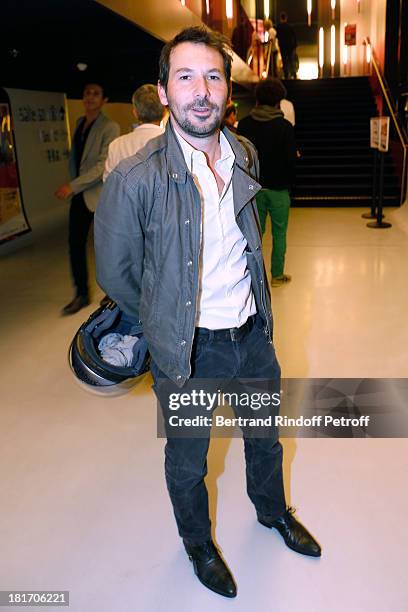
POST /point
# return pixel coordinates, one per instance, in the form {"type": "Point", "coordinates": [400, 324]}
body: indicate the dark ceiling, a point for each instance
{"type": "Point", "coordinates": [43, 40]}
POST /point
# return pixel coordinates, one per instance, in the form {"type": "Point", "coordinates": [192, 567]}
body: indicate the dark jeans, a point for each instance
{"type": "Point", "coordinates": [289, 63]}
{"type": "Point", "coordinates": [80, 219]}
{"type": "Point", "coordinates": [250, 356]}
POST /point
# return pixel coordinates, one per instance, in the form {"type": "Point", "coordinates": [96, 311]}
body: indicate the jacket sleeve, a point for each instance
{"type": "Point", "coordinates": [92, 176]}
{"type": "Point", "coordinates": [290, 152]}
{"type": "Point", "coordinates": [250, 150]}
{"type": "Point", "coordinates": [119, 242]}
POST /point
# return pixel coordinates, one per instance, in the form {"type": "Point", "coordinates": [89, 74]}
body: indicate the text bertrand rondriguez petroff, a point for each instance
{"type": "Point", "coordinates": [254, 401]}
{"type": "Point", "coordinates": [271, 421]}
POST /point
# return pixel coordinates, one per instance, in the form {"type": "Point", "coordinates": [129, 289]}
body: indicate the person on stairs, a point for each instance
{"type": "Point", "coordinates": [274, 139]}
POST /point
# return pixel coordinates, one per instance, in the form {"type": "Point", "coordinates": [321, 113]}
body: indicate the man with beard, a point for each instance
{"type": "Point", "coordinates": [178, 247]}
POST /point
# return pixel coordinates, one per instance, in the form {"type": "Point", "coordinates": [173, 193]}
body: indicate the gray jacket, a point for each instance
{"type": "Point", "coordinates": [89, 181]}
{"type": "Point", "coordinates": [147, 243]}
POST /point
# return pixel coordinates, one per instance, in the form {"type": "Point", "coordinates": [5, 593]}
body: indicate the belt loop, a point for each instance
{"type": "Point", "coordinates": [232, 332]}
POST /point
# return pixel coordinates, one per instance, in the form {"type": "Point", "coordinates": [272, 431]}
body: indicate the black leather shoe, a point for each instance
{"type": "Point", "coordinates": [295, 535]}
{"type": "Point", "coordinates": [77, 303]}
{"type": "Point", "coordinates": [210, 568]}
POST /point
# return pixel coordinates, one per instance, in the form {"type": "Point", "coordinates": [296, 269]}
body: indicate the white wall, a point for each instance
{"type": "Point", "coordinates": [249, 7]}
{"type": "Point", "coordinates": [370, 22]}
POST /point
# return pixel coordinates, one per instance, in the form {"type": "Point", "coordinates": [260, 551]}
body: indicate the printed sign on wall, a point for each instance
{"type": "Point", "coordinates": [350, 34]}
{"type": "Point", "coordinates": [40, 131]}
{"type": "Point", "coordinates": [13, 220]}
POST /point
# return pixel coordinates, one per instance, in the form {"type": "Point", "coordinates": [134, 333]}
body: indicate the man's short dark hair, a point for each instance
{"type": "Point", "coordinates": [147, 104]}
{"type": "Point", "coordinates": [270, 92]}
{"type": "Point", "coordinates": [196, 35]}
{"type": "Point", "coordinates": [98, 83]}
{"type": "Point", "coordinates": [231, 108]}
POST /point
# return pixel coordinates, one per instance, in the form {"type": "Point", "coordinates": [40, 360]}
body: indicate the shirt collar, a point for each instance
{"type": "Point", "coordinates": [191, 154]}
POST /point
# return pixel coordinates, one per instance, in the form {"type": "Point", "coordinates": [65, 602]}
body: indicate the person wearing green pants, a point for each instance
{"type": "Point", "coordinates": [274, 138]}
{"type": "Point", "coordinates": [276, 203]}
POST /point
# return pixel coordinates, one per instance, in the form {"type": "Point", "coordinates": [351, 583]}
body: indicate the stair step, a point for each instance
{"type": "Point", "coordinates": [311, 130]}
{"type": "Point", "coordinates": [339, 201]}
{"type": "Point", "coordinates": [302, 166]}
{"type": "Point", "coordinates": [348, 182]}
{"type": "Point", "coordinates": [332, 190]}
{"type": "Point", "coordinates": [334, 138]}
{"type": "Point", "coordinates": [333, 135]}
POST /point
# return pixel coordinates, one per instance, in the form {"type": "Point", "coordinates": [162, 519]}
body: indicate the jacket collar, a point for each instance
{"type": "Point", "coordinates": [176, 165]}
{"type": "Point", "coordinates": [243, 185]}
{"type": "Point", "coordinates": [92, 135]}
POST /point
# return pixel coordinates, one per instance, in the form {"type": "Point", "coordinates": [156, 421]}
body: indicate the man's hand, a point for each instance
{"type": "Point", "coordinates": [64, 192]}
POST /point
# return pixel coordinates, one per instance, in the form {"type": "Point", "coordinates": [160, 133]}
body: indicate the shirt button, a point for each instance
{"type": "Point", "coordinates": [187, 221]}
{"type": "Point", "coordinates": [174, 175]}
{"type": "Point", "coordinates": [190, 263]}
{"type": "Point", "coordinates": [188, 303]}
{"type": "Point", "coordinates": [178, 377]}
{"type": "Point", "coordinates": [183, 343]}
{"type": "Point", "coordinates": [250, 187]}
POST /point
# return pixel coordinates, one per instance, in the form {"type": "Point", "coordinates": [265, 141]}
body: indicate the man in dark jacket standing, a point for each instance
{"type": "Point", "coordinates": [178, 247]}
{"type": "Point", "coordinates": [287, 44]}
{"type": "Point", "coordinates": [274, 139]}
{"type": "Point", "coordinates": [93, 134]}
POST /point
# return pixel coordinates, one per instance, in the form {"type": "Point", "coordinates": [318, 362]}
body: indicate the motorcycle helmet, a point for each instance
{"type": "Point", "coordinates": [85, 359]}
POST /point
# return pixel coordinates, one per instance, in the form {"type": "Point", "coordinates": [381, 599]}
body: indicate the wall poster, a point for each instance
{"type": "Point", "coordinates": [13, 221]}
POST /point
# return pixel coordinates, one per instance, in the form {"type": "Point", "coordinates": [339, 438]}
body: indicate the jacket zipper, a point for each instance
{"type": "Point", "coordinates": [265, 311]}
{"type": "Point", "coordinates": [198, 283]}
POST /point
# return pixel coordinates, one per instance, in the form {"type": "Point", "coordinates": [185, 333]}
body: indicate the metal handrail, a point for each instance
{"type": "Point", "coordinates": [385, 89]}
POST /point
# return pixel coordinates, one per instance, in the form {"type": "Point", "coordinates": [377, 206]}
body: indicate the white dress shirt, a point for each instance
{"type": "Point", "coordinates": [129, 144]}
{"type": "Point", "coordinates": [288, 110]}
{"type": "Point", "coordinates": [225, 297]}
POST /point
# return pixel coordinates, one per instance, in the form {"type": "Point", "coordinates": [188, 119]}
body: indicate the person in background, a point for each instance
{"type": "Point", "coordinates": [148, 112]}
{"type": "Point", "coordinates": [287, 44]}
{"type": "Point", "coordinates": [230, 117]}
{"type": "Point", "coordinates": [241, 35]}
{"type": "Point", "coordinates": [93, 134]}
{"type": "Point", "coordinates": [274, 139]}
{"type": "Point", "coordinates": [272, 48]}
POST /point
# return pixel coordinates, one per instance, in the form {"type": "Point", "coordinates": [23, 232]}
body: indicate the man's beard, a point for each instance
{"type": "Point", "coordinates": [209, 125]}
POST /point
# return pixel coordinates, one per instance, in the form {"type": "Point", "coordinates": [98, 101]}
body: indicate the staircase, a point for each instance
{"type": "Point", "coordinates": [333, 136]}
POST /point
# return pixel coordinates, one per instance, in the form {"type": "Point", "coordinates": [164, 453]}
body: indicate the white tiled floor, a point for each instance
{"type": "Point", "coordinates": [84, 505]}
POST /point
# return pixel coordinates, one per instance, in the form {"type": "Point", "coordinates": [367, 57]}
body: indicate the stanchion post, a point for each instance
{"type": "Point", "coordinates": [381, 189]}
{"type": "Point", "coordinates": [379, 223]}
{"type": "Point", "coordinates": [374, 197]}
{"type": "Point", "coordinates": [380, 138]}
